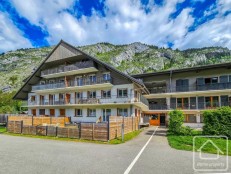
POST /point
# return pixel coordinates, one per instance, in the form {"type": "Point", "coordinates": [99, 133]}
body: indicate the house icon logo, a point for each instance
{"type": "Point", "coordinates": [210, 162]}
{"type": "Point", "coordinates": [211, 143]}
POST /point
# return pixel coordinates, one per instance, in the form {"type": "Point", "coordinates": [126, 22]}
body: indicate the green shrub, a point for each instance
{"type": "Point", "coordinates": [186, 130]}
{"type": "Point", "coordinates": [217, 122]}
{"type": "Point", "coordinates": [175, 122]}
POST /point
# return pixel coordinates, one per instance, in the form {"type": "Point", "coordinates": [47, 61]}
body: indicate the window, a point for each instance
{"type": "Point", "coordinates": [42, 82]}
{"type": "Point", "coordinates": [182, 85]}
{"type": "Point", "coordinates": [106, 94]}
{"type": "Point", "coordinates": [92, 78]}
{"type": "Point", "coordinates": [91, 94]}
{"type": "Point", "coordinates": [182, 103]}
{"type": "Point", "coordinates": [91, 113]}
{"type": "Point", "coordinates": [41, 111]}
{"type": "Point", "coordinates": [78, 113]}
{"type": "Point", "coordinates": [123, 112]}
{"type": "Point", "coordinates": [212, 101]}
{"type": "Point", "coordinates": [192, 119]}
{"type": "Point", "coordinates": [106, 76]}
{"type": "Point", "coordinates": [79, 81]}
{"type": "Point", "coordinates": [32, 99]}
{"type": "Point", "coordinates": [106, 113]}
{"type": "Point", "coordinates": [154, 117]}
{"type": "Point", "coordinates": [211, 80]}
{"type": "Point", "coordinates": [122, 92]}
{"type": "Point", "coordinates": [51, 81]}
{"type": "Point", "coordinates": [79, 95]}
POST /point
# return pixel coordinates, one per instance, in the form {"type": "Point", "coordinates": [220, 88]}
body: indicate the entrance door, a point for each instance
{"type": "Point", "coordinates": [162, 119]}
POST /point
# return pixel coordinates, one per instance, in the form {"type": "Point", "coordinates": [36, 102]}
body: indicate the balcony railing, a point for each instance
{"type": "Point", "coordinates": [66, 68]}
{"type": "Point", "coordinates": [214, 86]}
{"type": "Point", "coordinates": [82, 82]}
{"type": "Point", "coordinates": [86, 100]}
{"type": "Point", "coordinates": [187, 106]}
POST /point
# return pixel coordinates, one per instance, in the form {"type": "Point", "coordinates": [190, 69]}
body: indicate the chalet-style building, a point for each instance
{"type": "Point", "coordinates": [72, 83]}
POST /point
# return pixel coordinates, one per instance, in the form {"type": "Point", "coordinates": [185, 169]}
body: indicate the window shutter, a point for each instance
{"type": "Point", "coordinates": [201, 102]}
{"type": "Point", "coordinates": [224, 79]}
{"type": "Point", "coordinates": [224, 100]}
{"type": "Point", "coordinates": [200, 81]}
{"type": "Point", "coordinates": [173, 103]}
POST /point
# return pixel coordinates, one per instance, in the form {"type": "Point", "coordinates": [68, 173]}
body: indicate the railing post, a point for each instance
{"type": "Point", "coordinates": [93, 129]}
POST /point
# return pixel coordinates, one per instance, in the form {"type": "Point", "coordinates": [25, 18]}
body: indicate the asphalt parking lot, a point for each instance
{"type": "Point", "coordinates": [147, 153]}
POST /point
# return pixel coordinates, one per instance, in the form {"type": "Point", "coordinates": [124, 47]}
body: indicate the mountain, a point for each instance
{"type": "Point", "coordinates": [131, 58]}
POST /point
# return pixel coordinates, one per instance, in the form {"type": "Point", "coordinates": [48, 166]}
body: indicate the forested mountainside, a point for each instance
{"type": "Point", "coordinates": [131, 58]}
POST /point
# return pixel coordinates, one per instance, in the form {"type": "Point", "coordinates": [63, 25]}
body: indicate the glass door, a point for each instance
{"type": "Point", "coordinates": [106, 113]}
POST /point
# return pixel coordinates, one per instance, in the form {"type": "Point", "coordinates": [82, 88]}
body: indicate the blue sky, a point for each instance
{"type": "Point", "coordinates": [166, 23]}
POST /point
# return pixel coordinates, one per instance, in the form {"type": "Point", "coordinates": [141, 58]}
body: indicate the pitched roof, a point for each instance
{"type": "Point", "coordinates": [196, 68]}
{"type": "Point", "coordinates": [23, 91]}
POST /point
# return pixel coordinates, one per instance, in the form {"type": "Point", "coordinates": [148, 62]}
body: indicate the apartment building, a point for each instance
{"type": "Point", "coordinates": [72, 83]}
{"type": "Point", "coordinates": [191, 90]}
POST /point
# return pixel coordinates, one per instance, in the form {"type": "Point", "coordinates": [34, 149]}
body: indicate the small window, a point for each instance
{"type": "Point", "coordinates": [123, 112]}
{"type": "Point", "coordinates": [91, 112]}
{"type": "Point", "coordinates": [91, 94]}
{"type": "Point", "coordinates": [122, 92]}
{"type": "Point", "coordinates": [106, 94]}
{"type": "Point", "coordinates": [78, 112]}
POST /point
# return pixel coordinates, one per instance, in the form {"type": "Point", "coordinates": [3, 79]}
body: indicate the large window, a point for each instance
{"type": "Point", "coordinates": [182, 85]}
{"type": "Point", "coordinates": [122, 92]}
{"type": "Point", "coordinates": [106, 76]}
{"type": "Point", "coordinates": [78, 95]}
{"type": "Point", "coordinates": [123, 112]}
{"type": "Point", "coordinates": [182, 103]}
{"type": "Point", "coordinates": [41, 111]}
{"type": "Point", "coordinates": [106, 113]}
{"type": "Point", "coordinates": [212, 101]}
{"type": "Point", "coordinates": [79, 81]}
{"type": "Point", "coordinates": [91, 112]}
{"type": "Point", "coordinates": [78, 112]}
{"type": "Point", "coordinates": [91, 94]}
{"type": "Point", "coordinates": [106, 94]}
{"type": "Point", "coordinates": [92, 78]}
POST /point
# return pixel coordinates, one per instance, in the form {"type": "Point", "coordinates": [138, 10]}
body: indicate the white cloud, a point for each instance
{"type": "Point", "coordinates": [216, 32]}
{"type": "Point", "coordinates": [11, 37]}
{"type": "Point", "coordinates": [126, 21]}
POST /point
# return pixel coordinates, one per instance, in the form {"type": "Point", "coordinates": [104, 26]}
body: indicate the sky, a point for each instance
{"type": "Point", "coordinates": [178, 24]}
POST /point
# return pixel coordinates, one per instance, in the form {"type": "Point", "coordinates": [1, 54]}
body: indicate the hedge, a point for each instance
{"type": "Point", "coordinates": [217, 122]}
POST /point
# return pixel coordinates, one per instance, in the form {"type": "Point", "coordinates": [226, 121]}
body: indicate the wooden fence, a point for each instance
{"type": "Point", "coordinates": [103, 131]}
{"type": "Point", "coordinates": [88, 131]}
{"type": "Point", "coordinates": [115, 125]}
{"type": "Point", "coordinates": [35, 121]}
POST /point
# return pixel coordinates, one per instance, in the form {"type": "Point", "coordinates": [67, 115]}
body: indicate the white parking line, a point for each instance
{"type": "Point", "coordinates": [138, 155]}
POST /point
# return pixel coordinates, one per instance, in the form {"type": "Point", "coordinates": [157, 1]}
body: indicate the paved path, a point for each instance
{"type": "Point", "coordinates": [20, 155]}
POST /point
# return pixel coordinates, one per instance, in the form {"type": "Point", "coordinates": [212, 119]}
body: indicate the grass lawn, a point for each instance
{"type": "Point", "coordinates": [186, 143]}
{"type": "Point", "coordinates": [2, 129]}
{"type": "Point", "coordinates": [127, 137]}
